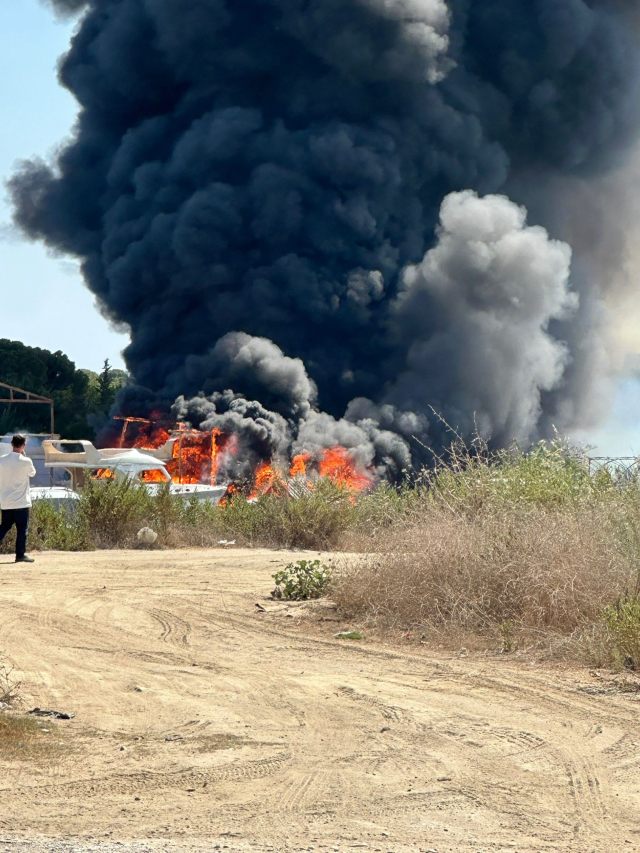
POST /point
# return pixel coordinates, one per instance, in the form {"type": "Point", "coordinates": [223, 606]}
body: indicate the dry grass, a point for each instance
{"type": "Point", "coordinates": [534, 570]}
{"type": "Point", "coordinates": [27, 739]}
{"type": "Point", "coordinates": [508, 550]}
{"type": "Point", "coordinates": [9, 685]}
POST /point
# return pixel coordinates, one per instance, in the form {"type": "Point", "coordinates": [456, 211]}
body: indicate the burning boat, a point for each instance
{"type": "Point", "coordinates": [211, 465]}
{"type": "Point", "coordinates": [81, 459]}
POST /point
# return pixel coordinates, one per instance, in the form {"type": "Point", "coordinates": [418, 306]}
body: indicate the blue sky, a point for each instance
{"type": "Point", "coordinates": [620, 434]}
{"type": "Point", "coordinates": [43, 301]}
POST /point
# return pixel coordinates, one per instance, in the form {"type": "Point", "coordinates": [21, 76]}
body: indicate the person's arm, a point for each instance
{"type": "Point", "coordinates": [32, 471]}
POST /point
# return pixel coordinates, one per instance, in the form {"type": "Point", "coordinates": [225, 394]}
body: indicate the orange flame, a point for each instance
{"type": "Point", "coordinates": [197, 457]}
{"type": "Point", "coordinates": [231, 491]}
{"type": "Point", "coordinates": [195, 453]}
{"type": "Point", "coordinates": [338, 465]}
{"type": "Point", "coordinates": [153, 477]}
{"type": "Point", "coordinates": [268, 481]}
{"type": "Point", "coordinates": [299, 465]}
{"type": "Point", "coordinates": [104, 474]}
{"type": "Point", "coordinates": [263, 481]}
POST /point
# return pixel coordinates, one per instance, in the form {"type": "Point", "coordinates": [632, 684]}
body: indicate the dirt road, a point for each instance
{"type": "Point", "coordinates": [200, 719]}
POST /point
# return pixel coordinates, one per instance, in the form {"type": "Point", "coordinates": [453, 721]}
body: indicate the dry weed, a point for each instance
{"type": "Point", "coordinates": [499, 573]}
{"type": "Point", "coordinates": [9, 685]}
{"type": "Point", "coordinates": [26, 739]}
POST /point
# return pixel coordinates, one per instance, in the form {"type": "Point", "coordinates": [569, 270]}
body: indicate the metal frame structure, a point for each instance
{"type": "Point", "coordinates": [624, 466]}
{"type": "Point", "coordinates": [29, 398]}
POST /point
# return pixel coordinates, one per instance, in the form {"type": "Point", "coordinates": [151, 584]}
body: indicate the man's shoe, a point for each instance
{"type": "Point", "coordinates": [25, 559]}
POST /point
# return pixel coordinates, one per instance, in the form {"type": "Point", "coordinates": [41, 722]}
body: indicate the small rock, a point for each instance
{"type": "Point", "coordinates": [385, 729]}
{"type": "Point", "coordinates": [147, 536]}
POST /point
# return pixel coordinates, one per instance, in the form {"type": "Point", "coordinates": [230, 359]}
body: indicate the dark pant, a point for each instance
{"type": "Point", "coordinates": [19, 517]}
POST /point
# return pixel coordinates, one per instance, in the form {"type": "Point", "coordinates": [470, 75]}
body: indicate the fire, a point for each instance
{"type": "Point", "coordinates": [338, 465]}
{"type": "Point", "coordinates": [198, 456]}
{"type": "Point", "coordinates": [264, 478]}
{"type": "Point", "coordinates": [231, 491]}
{"type": "Point", "coordinates": [153, 439]}
{"type": "Point", "coordinates": [104, 474]}
{"type": "Point", "coordinates": [299, 465]}
{"type": "Point", "coordinates": [268, 481]}
{"type": "Point", "coordinates": [153, 477]}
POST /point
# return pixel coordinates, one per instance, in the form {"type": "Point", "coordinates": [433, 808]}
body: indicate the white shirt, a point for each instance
{"type": "Point", "coordinates": [15, 471]}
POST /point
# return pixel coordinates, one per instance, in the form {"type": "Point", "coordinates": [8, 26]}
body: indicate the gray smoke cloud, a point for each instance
{"type": "Point", "coordinates": [494, 285]}
{"type": "Point", "coordinates": [258, 433]}
{"type": "Point", "coordinates": [255, 364]}
{"type": "Point", "coordinates": [255, 190]}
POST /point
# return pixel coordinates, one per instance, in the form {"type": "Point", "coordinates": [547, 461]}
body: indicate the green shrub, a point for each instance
{"type": "Point", "coordinates": [622, 633]}
{"type": "Point", "coordinates": [313, 521]}
{"type": "Point", "coordinates": [302, 580]}
{"type": "Point", "coordinates": [52, 529]}
{"type": "Point", "coordinates": [551, 475]}
{"type": "Point", "coordinates": [114, 510]}
{"type": "Point", "coordinates": [507, 636]}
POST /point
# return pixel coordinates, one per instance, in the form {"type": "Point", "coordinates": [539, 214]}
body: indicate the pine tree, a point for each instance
{"type": "Point", "coordinates": [105, 386]}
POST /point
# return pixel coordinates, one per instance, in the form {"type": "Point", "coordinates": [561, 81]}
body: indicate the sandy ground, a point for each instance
{"type": "Point", "coordinates": [202, 723]}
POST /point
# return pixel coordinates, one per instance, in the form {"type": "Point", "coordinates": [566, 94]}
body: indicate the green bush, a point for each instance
{"type": "Point", "coordinates": [54, 529]}
{"type": "Point", "coordinates": [302, 580]}
{"type": "Point", "coordinates": [114, 510]}
{"type": "Point", "coordinates": [313, 521]}
{"type": "Point", "coordinates": [622, 633]}
{"type": "Point", "coordinates": [551, 475]}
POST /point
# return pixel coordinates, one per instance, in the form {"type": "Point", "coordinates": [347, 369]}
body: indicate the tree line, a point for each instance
{"type": "Point", "coordinates": [82, 398]}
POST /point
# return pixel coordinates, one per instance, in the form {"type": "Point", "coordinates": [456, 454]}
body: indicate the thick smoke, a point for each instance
{"type": "Point", "coordinates": [254, 188]}
{"type": "Point", "coordinates": [257, 366]}
{"type": "Point", "coordinates": [492, 286]}
{"type": "Point", "coordinates": [258, 434]}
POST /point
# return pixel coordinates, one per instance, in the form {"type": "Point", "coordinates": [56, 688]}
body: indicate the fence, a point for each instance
{"type": "Point", "coordinates": [619, 467]}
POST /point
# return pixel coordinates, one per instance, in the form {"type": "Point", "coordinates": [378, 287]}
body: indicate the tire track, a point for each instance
{"type": "Point", "coordinates": [388, 712]}
{"type": "Point", "coordinates": [174, 629]}
{"type": "Point", "coordinates": [146, 780]}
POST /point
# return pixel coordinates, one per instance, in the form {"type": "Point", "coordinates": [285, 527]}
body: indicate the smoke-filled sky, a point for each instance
{"type": "Point", "coordinates": [354, 211]}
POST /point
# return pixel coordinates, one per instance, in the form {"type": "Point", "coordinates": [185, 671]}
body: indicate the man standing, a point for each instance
{"type": "Point", "coordinates": [15, 495]}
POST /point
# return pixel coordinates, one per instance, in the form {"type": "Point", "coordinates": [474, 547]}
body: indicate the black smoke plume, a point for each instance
{"type": "Point", "coordinates": [305, 202]}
